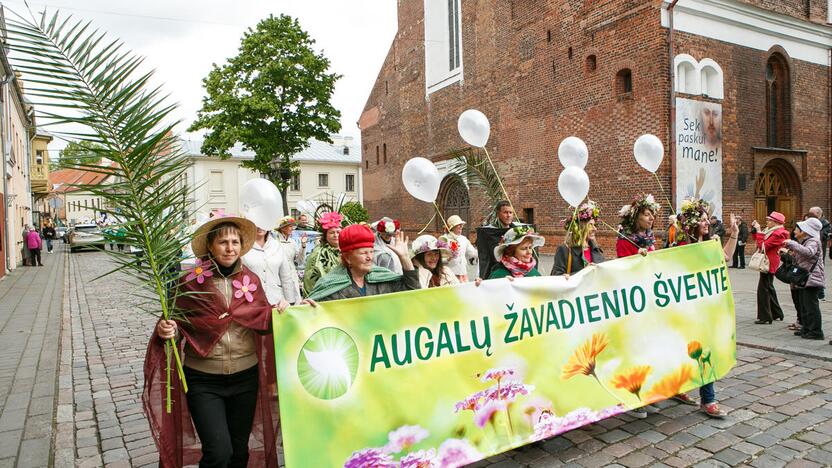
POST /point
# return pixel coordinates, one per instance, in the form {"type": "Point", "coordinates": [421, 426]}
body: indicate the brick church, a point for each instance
{"type": "Point", "coordinates": [739, 92]}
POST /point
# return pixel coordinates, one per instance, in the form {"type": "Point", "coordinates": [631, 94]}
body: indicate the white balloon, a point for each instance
{"type": "Point", "coordinates": [474, 128]}
{"type": "Point", "coordinates": [572, 151]}
{"type": "Point", "coordinates": [573, 185]}
{"type": "Point", "coordinates": [649, 152]}
{"type": "Point", "coordinates": [421, 179]}
{"type": "Point", "coordinates": [261, 203]}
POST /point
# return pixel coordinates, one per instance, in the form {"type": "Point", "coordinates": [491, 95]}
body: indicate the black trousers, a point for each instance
{"type": "Point", "coordinates": [35, 253]}
{"type": "Point", "coordinates": [739, 257]}
{"type": "Point", "coordinates": [810, 311]}
{"type": "Point", "coordinates": [768, 308]}
{"type": "Point", "coordinates": [796, 301]}
{"type": "Point", "coordinates": [222, 409]}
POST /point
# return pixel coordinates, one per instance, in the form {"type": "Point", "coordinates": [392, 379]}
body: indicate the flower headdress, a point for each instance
{"type": "Point", "coordinates": [691, 211]}
{"type": "Point", "coordinates": [629, 213]}
{"type": "Point", "coordinates": [515, 236]}
{"type": "Point", "coordinates": [575, 231]}
{"type": "Point", "coordinates": [329, 220]}
{"type": "Point", "coordinates": [387, 225]}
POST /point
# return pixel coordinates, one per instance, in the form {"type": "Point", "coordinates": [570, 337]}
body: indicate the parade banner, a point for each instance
{"type": "Point", "coordinates": [455, 374]}
{"type": "Point", "coordinates": [699, 152]}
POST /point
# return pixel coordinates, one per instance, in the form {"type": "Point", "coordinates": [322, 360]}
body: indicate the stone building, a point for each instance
{"type": "Point", "coordinates": [742, 87]}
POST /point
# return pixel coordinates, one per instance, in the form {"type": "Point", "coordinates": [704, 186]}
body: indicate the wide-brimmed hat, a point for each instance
{"type": "Point", "coordinates": [777, 217]}
{"type": "Point", "coordinates": [455, 221]}
{"type": "Point", "coordinates": [286, 221]}
{"type": "Point", "coordinates": [426, 243]}
{"type": "Point", "coordinates": [811, 226]}
{"type": "Point", "coordinates": [248, 232]}
{"type": "Point", "coordinates": [387, 225]}
{"type": "Point", "coordinates": [515, 236]}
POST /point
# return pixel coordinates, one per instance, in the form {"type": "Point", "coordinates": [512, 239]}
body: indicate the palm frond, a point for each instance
{"type": "Point", "coordinates": [472, 166]}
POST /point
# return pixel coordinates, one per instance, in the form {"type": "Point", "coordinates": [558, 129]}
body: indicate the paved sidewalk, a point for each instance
{"type": "Point", "coordinates": [30, 311]}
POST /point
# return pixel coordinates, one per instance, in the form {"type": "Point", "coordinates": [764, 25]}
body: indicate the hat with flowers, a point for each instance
{"type": "Point", "coordinates": [515, 236]}
{"type": "Point", "coordinates": [387, 225]}
{"type": "Point", "coordinates": [286, 221]}
{"type": "Point", "coordinates": [330, 220]}
{"type": "Point", "coordinates": [629, 213]}
{"type": "Point", "coordinates": [452, 242]}
{"type": "Point", "coordinates": [426, 243]}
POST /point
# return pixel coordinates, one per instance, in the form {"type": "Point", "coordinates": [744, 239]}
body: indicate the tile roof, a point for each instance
{"type": "Point", "coordinates": [317, 151]}
{"type": "Point", "coordinates": [65, 180]}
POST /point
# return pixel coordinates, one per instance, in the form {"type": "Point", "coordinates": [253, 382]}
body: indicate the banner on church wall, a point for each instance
{"type": "Point", "coordinates": [699, 152]}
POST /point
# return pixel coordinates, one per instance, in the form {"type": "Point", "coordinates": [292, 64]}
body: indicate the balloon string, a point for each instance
{"type": "Point", "coordinates": [499, 179]}
{"type": "Point", "coordinates": [447, 229]}
{"type": "Point", "coordinates": [619, 233]}
{"type": "Point", "coordinates": [427, 225]}
{"type": "Point", "coordinates": [667, 199]}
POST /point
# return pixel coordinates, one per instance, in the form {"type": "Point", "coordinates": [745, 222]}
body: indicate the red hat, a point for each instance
{"type": "Point", "coordinates": [355, 236]}
{"type": "Point", "coordinates": [777, 217]}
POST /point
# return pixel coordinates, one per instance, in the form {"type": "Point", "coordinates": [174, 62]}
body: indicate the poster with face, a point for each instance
{"type": "Point", "coordinates": [699, 152]}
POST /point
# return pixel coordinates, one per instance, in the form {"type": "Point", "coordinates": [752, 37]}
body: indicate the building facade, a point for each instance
{"type": "Point", "coordinates": [39, 176]}
{"type": "Point", "coordinates": [74, 205]}
{"type": "Point", "coordinates": [737, 90]}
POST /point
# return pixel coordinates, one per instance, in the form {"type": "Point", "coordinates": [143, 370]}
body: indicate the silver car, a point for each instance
{"type": "Point", "coordinates": [85, 235]}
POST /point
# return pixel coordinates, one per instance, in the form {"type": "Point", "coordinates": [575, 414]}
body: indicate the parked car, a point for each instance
{"type": "Point", "coordinates": [85, 235]}
{"type": "Point", "coordinates": [60, 233]}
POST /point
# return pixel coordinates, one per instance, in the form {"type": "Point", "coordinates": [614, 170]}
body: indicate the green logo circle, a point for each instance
{"type": "Point", "coordinates": [327, 363]}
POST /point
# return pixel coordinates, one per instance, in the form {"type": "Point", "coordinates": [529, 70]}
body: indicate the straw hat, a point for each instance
{"type": "Point", "coordinates": [286, 221]}
{"type": "Point", "coordinates": [426, 243]}
{"type": "Point", "coordinates": [248, 232]}
{"type": "Point", "coordinates": [515, 236]}
{"type": "Point", "coordinates": [455, 221]}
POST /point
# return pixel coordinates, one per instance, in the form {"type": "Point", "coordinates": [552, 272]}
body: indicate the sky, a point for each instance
{"type": "Point", "coordinates": [181, 39]}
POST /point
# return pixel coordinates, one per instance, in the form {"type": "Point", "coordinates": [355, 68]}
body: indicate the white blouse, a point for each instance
{"type": "Point", "coordinates": [269, 264]}
{"type": "Point", "coordinates": [466, 252]}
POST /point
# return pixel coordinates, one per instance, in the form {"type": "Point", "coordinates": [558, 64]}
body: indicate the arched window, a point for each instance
{"type": "Point", "coordinates": [778, 102]}
{"type": "Point", "coordinates": [623, 82]}
{"type": "Point", "coordinates": [711, 79]}
{"type": "Point", "coordinates": [687, 77]}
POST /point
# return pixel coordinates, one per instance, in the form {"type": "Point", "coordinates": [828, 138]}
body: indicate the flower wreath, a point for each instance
{"type": "Point", "coordinates": [629, 213]}
{"type": "Point", "coordinates": [587, 211]}
{"type": "Point", "coordinates": [691, 211]}
{"type": "Point", "coordinates": [389, 228]}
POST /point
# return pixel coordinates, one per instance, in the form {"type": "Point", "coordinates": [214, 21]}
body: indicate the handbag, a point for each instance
{"type": "Point", "coordinates": [759, 261]}
{"type": "Point", "coordinates": [790, 273]}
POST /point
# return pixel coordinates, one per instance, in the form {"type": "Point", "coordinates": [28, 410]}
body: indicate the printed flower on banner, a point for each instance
{"type": "Point", "coordinates": [370, 457]}
{"type": "Point", "coordinates": [420, 459]}
{"type": "Point", "coordinates": [670, 385]}
{"type": "Point", "coordinates": [632, 380]}
{"type": "Point", "coordinates": [404, 437]}
{"type": "Point", "coordinates": [496, 374]}
{"type": "Point", "coordinates": [702, 358]}
{"type": "Point", "coordinates": [694, 350]}
{"type": "Point", "coordinates": [471, 403]}
{"type": "Point", "coordinates": [550, 425]}
{"type": "Point", "coordinates": [611, 411]}
{"type": "Point", "coordinates": [535, 408]}
{"type": "Point", "coordinates": [486, 413]}
{"type": "Point", "coordinates": [457, 452]}
{"type": "Point", "coordinates": [200, 271]}
{"type": "Point", "coordinates": [509, 391]}
{"type": "Point", "coordinates": [583, 360]}
{"type": "Point", "coordinates": [244, 289]}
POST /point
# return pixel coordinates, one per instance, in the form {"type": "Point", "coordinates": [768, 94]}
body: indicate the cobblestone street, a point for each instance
{"type": "Point", "coordinates": [84, 409]}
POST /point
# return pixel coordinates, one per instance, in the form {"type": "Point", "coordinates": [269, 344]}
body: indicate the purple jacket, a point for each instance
{"type": "Point", "coordinates": [806, 254]}
{"type": "Point", "coordinates": [33, 240]}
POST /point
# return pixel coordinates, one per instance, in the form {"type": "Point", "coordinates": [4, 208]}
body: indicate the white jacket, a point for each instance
{"type": "Point", "coordinates": [270, 265]}
{"type": "Point", "coordinates": [294, 256]}
{"type": "Point", "coordinates": [459, 265]}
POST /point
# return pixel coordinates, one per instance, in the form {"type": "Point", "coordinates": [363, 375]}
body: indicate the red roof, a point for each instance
{"type": "Point", "coordinates": [65, 180]}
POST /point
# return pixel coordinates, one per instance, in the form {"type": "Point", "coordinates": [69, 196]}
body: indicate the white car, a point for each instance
{"type": "Point", "coordinates": [85, 235]}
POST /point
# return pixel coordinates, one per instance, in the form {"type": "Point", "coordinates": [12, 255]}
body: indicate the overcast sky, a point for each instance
{"type": "Point", "coordinates": [182, 38]}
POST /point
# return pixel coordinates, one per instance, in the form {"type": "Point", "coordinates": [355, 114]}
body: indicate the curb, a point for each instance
{"type": "Point", "coordinates": [786, 351]}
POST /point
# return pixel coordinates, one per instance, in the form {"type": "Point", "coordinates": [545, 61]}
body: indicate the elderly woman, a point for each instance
{"type": "Point", "coordinates": [226, 362]}
{"type": "Point", "coordinates": [464, 253]}
{"type": "Point", "coordinates": [295, 253]}
{"type": "Point", "coordinates": [357, 276]}
{"type": "Point", "coordinates": [515, 253]}
{"type": "Point", "coordinates": [808, 254]}
{"type": "Point", "coordinates": [636, 235]}
{"type": "Point", "coordinates": [325, 256]}
{"type": "Point", "coordinates": [579, 248]}
{"type": "Point", "coordinates": [386, 228]}
{"type": "Point", "coordinates": [429, 256]}
{"type": "Point", "coordinates": [267, 261]}
{"type": "Point", "coordinates": [770, 241]}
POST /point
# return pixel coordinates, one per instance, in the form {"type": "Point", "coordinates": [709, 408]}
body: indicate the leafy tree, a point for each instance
{"type": "Point", "coordinates": [355, 212]}
{"type": "Point", "coordinates": [80, 152]}
{"type": "Point", "coordinates": [273, 97]}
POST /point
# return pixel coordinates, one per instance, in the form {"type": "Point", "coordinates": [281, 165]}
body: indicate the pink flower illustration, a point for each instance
{"type": "Point", "coordinates": [547, 425]}
{"type": "Point", "coordinates": [370, 457]}
{"type": "Point", "coordinates": [200, 271]}
{"type": "Point", "coordinates": [244, 289]}
{"type": "Point", "coordinates": [577, 418]}
{"type": "Point", "coordinates": [611, 411]}
{"type": "Point", "coordinates": [508, 391]}
{"type": "Point", "coordinates": [488, 410]}
{"type": "Point", "coordinates": [471, 403]}
{"type": "Point", "coordinates": [535, 407]}
{"type": "Point", "coordinates": [457, 452]}
{"type": "Point", "coordinates": [405, 437]}
{"type": "Point", "coordinates": [496, 374]}
{"type": "Point", "coordinates": [420, 459]}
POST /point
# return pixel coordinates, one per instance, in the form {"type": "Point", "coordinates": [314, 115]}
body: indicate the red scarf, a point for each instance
{"type": "Point", "coordinates": [517, 268]}
{"type": "Point", "coordinates": [174, 433]}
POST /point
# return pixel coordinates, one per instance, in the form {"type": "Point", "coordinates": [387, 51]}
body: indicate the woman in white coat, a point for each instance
{"type": "Point", "coordinates": [267, 260]}
{"type": "Point", "coordinates": [463, 253]}
{"type": "Point", "coordinates": [295, 254]}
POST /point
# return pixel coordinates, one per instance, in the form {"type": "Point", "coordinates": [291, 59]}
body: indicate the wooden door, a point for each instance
{"type": "Point", "coordinates": [786, 205]}
{"type": "Point", "coordinates": [760, 210]}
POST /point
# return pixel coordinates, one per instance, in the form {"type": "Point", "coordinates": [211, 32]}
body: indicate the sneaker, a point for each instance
{"type": "Point", "coordinates": [685, 399]}
{"type": "Point", "coordinates": [712, 410]}
{"type": "Point", "coordinates": [650, 409]}
{"type": "Point", "coordinates": [639, 413]}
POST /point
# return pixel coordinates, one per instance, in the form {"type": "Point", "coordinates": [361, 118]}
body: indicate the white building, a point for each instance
{"type": "Point", "coordinates": [324, 168]}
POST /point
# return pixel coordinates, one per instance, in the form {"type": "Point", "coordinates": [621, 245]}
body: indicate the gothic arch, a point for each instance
{"type": "Point", "coordinates": [454, 200]}
{"type": "Point", "coordinates": [777, 188]}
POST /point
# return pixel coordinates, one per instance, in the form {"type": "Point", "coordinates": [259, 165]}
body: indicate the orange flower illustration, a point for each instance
{"type": "Point", "coordinates": [694, 350]}
{"type": "Point", "coordinates": [632, 380]}
{"type": "Point", "coordinates": [582, 361]}
{"type": "Point", "coordinates": [671, 384]}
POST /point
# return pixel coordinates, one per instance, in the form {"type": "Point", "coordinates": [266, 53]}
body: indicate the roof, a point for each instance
{"type": "Point", "coordinates": [318, 151]}
{"type": "Point", "coordinates": [65, 180]}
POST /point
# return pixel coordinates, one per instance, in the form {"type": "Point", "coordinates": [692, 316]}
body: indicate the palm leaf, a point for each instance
{"type": "Point", "coordinates": [78, 78]}
{"type": "Point", "coordinates": [473, 167]}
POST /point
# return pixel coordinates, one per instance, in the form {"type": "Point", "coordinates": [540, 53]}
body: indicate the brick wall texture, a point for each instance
{"type": "Point", "coordinates": [525, 67]}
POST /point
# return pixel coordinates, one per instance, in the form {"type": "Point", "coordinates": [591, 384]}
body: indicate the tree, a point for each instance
{"type": "Point", "coordinates": [355, 212]}
{"type": "Point", "coordinates": [273, 97]}
{"type": "Point", "coordinates": [80, 152]}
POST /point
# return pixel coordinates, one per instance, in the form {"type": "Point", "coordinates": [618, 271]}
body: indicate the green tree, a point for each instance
{"type": "Point", "coordinates": [355, 212]}
{"type": "Point", "coordinates": [273, 97]}
{"type": "Point", "coordinates": [80, 152]}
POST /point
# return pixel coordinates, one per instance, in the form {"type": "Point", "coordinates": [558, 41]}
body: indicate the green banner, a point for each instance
{"type": "Point", "coordinates": [448, 376]}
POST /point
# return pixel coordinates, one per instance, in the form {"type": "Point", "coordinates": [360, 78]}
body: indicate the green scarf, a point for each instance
{"type": "Point", "coordinates": [320, 261]}
{"type": "Point", "coordinates": [340, 278]}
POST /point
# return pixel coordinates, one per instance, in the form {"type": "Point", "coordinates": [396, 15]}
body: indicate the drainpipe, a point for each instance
{"type": "Point", "coordinates": [672, 100]}
{"type": "Point", "coordinates": [3, 86]}
{"type": "Point", "coordinates": [829, 151]}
